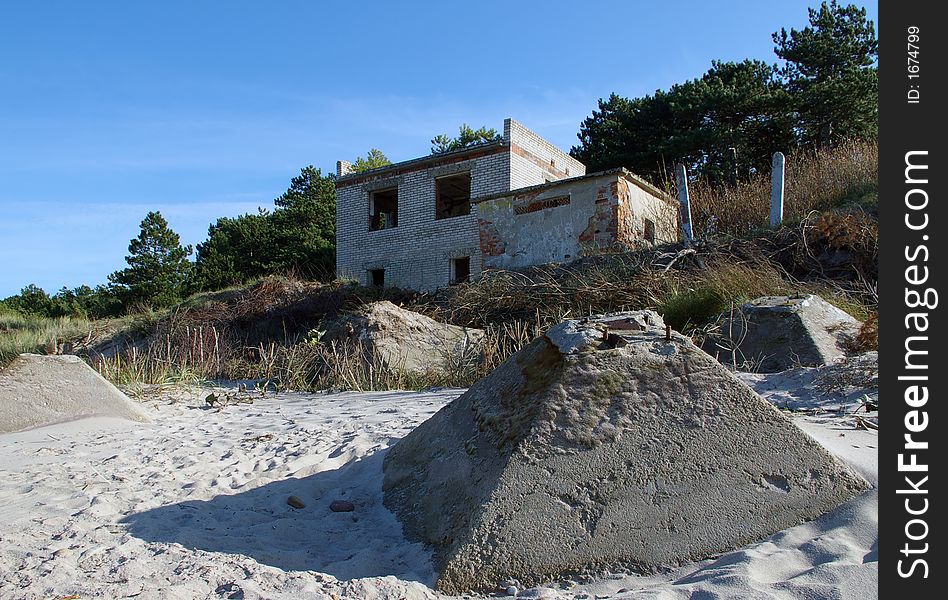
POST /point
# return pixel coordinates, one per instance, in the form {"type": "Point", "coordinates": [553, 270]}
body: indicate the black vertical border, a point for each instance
{"type": "Point", "coordinates": [904, 127]}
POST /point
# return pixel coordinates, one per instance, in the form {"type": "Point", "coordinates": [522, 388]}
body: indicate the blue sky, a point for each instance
{"type": "Point", "coordinates": [206, 109]}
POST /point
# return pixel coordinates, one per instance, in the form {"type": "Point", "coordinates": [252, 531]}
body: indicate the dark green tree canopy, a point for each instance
{"type": "Point", "coordinates": [158, 266]}
{"type": "Point", "coordinates": [740, 106]}
{"type": "Point", "coordinates": [737, 115]}
{"type": "Point", "coordinates": [82, 301]}
{"type": "Point", "coordinates": [623, 132]}
{"type": "Point", "coordinates": [305, 225]}
{"type": "Point", "coordinates": [831, 72]}
{"type": "Point", "coordinates": [32, 300]}
{"type": "Point", "coordinates": [236, 250]}
{"type": "Point", "coordinates": [466, 138]}
{"type": "Point", "coordinates": [728, 123]}
{"type": "Point", "coordinates": [298, 236]}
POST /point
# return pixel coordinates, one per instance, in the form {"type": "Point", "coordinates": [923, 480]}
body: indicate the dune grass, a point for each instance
{"type": "Point", "coordinates": [19, 334]}
{"type": "Point", "coordinates": [512, 307]}
{"type": "Point", "coordinates": [842, 177]}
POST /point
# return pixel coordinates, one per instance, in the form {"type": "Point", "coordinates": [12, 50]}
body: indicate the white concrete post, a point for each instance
{"type": "Point", "coordinates": [681, 179]}
{"type": "Point", "coordinates": [776, 189]}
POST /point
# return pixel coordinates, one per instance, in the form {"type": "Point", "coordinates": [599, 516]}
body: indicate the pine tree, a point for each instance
{"type": "Point", "coordinates": [237, 249]}
{"type": "Point", "coordinates": [375, 159]}
{"type": "Point", "coordinates": [158, 266]}
{"type": "Point", "coordinates": [467, 137]}
{"type": "Point", "coordinates": [305, 226]}
{"type": "Point", "coordinates": [831, 73]}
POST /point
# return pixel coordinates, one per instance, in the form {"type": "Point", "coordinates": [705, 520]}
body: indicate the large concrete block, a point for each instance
{"type": "Point", "coordinates": [603, 445]}
{"type": "Point", "coordinates": [40, 390]}
{"type": "Point", "coordinates": [775, 333]}
{"type": "Point", "coordinates": [391, 337]}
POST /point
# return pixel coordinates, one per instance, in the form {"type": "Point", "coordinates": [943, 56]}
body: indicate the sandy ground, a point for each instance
{"type": "Point", "coordinates": [194, 505]}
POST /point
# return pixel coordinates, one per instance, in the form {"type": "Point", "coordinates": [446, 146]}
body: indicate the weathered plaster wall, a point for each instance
{"type": "Point", "coordinates": [568, 220]}
{"type": "Point", "coordinates": [638, 204]}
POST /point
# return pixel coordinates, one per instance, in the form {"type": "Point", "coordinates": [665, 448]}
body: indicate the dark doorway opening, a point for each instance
{"type": "Point", "coordinates": [377, 277]}
{"type": "Point", "coordinates": [461, 269]}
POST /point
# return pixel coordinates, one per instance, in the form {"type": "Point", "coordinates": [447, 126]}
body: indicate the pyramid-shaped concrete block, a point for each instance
{"type": "Point", "coordinates": [775, 333]}
{"type": "Point", "coordinates": [393, 338]}
{"type": "Point", "coordinates": [603, 445]}
{"type": "Point", "coordinates": [40, 390]}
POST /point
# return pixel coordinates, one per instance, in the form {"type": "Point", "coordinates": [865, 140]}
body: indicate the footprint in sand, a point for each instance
{"type": "Point", "coordinates": [337, 452]}
{"type": "Point", "coordinates": [264, 466]}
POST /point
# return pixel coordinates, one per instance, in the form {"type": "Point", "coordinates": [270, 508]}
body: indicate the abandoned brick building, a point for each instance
{"type": "Point", "coordinates": [519, 201]}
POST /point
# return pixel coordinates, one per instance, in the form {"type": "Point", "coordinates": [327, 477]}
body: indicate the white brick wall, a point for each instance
{"type": "Point", "coordinates": [525, 171]}
{"type": "Point", "coordinates": [417, 253]}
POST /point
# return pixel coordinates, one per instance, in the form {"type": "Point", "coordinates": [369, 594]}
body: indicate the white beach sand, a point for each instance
{"type": "Point", "coordinates": [194, 505]}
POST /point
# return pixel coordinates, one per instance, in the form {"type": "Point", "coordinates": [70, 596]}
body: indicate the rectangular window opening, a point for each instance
{"type": "Point", "coordinates": [650, 231]}
{"type": "Point", "coordinates": [460, 269]}
{"type": "Point", "coordinates": [377, 277]}
{"type": "Point", "coordinates": [383, 209]}
{"type": "Point", "coordinates": [453, 196]}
